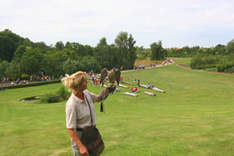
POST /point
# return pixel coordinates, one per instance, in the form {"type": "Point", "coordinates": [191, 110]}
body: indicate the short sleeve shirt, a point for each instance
{"type": "Point", "coordinates": [78, 112]}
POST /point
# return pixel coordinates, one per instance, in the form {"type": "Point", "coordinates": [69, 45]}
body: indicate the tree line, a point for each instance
{"type": "Point", "coordinates": [186, 51]}
{"type": "Point", "coordinates": [219, 58]}
{"type": "Point", "coordinates": [21, 58]}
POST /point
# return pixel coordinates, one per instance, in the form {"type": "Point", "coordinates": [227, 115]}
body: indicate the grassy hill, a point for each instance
{"type": "Point", "coordinates": [194, 117]}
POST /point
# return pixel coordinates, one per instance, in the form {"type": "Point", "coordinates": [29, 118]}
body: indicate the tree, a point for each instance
{"type": "Point", "coordinates": [131, 52]}
{"type": "Point", "coordinates": [13, 70]}
{"type": "Point", "coordinates": [26, 42]}
{"type": "Point", "coordinates": [220, 49]}
{"type": "Point", "coordinates": [230, 47]}
{"type": "Point", "coordinates": [103, 54]}
{"type": "Point", "coordinates": [68, 45]}
{"type": "Point", "coordinates": [69, 54]}
{"type": "Point", "coordinates": [157, 51]}
{"type": "Point", "coordinates": [53, 63]}
{"type": "Point", "coordinates": [89, 63]}
{"type": "Point", "coordinates": [142, 53]}
{"type": "Point", "coordinates": [115, 60]}
{"type": "Point", "coordinates": [59, 45]}
{"type": "Point", "coordinates": [127, 50]}
{"type": "Point", "coordinates": [81, 50]}
{"type": "Point", "coordinates": [7, 48]}
{"type": "Point", "coordinates": [3, 66]}
{"type": "Point", "coordinates": [121, 43]}
{"type": "Point", "coordinates": [88, 50]}
{"type": "Point", "coordinates": [31, 61]}
{"type": "Point", "coordinates": [9, 41]}
{"type": "Point", "coordinates": [19, 52]}
{"type": "Point", "coordinates": [41, 46]}
{"type": "Point", "coordinates": [70, 66]}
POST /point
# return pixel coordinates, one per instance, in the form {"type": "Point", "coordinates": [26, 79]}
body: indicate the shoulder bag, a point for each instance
{"type": "Point", "coordinates": [91, 138]}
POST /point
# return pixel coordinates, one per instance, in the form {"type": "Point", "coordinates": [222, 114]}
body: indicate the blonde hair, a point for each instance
{"type": "Point", "coordinates": [73, 81]}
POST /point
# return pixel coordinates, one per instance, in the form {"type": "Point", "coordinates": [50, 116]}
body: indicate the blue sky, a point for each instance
{"type": "Point", "coordinates": [176, 23]}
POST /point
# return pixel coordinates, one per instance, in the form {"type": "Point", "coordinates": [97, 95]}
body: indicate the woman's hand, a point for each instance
{"type": "Point", "coordinates": [111, 88]}
{"type": "Point", "coordinates": [84, 151]}
{"type": "Point", "coordinates": [105, 92]}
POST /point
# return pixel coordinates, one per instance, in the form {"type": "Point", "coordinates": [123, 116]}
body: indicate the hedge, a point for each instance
{"type": "Point", "coordinates": [204, 61]}
{"type": "Point", "coordinates": [31, 84]}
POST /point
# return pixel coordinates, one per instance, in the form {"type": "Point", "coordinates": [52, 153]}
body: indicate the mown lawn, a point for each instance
{"type": "Point", "coordinates": [195, 117]}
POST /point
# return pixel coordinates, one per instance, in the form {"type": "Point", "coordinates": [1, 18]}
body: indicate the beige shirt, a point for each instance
{"type": "Point", "coordinates": [77, 111]}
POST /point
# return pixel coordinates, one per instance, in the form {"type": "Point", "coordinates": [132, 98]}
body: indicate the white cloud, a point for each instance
{"type": "Point", "coordinates": [176, 23]}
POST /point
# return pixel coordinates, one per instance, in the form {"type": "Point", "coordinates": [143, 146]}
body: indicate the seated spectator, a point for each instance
{"type": "Point", "coordinates": [148, 85]}
{"type": "Point", "coordinates": [134, 89]}
{"type": "Point", "coordinates": [121, 79]}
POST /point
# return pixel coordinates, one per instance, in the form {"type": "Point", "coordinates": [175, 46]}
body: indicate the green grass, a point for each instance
{"type": "Point", "coordinates": [195, 117]}
{"type": "Point", "coordinates": [213, 69]}
{"type": "Point", "coordinates": [183, 60]}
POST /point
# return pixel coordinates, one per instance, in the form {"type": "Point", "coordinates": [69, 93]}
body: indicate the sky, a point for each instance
{"type": "Point", "coordinates": [177, 23]}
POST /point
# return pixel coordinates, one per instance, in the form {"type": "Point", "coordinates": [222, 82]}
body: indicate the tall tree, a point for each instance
{"type": "Point", "coordinates": [7, 48]}
{"type": "Point", "coordinates": [158, 52]}
{"type": "Point", "coordinates": [121, 43]}
{"type": "Point", "coordinates": [131, 52]}
{"type": "Point", "coordinates": [59, 45]}
{"type": "Point", "coordinates": [70, 66]}
{"type": "Point", "coordinates": [19, 52]}
{"type": "Point", "coordinates": [103, 54]}
{"type": "Point", "coordinates": [9, 42]}
{"type": "Point", "coordinates": [142, 53]}
{"type": "Point", "coordinates": [53, 63]}
{"type": "Point", "coordinates": [88, 63]}
{"type": "Point", "coordinates": [220, 49]}
{"type": "Point", "coordinates": [126, 48]}
{"type": "Point", "coordinates": [68, 45]}
{"type": "Point", "coordinates": [230, 47]}
{"type": "Point", "coordinates": [3, 66]}
{"type": "Point", "coordinates": [31, 61]}
{"type": "Point", "coordinates": [13, 71]}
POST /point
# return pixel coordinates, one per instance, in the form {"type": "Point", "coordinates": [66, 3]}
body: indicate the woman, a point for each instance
{"type": "Point", "coordinates": [80, 109]}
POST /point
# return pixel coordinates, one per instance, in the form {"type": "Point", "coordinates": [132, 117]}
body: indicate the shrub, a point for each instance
{"type": "Point", "coordinates": [60, 95]}
{"type": "Point", "coordinates": [204, 61]}
{"type": "Point", "coordinates": [50, 98]}
{"type": "Point", "coordinates": [30, 84]}
{"type": "Point", "coordinates": [63, 93]}
{"type": "Point", "coordinates": [226, 64]}
{"type": "Point", "coordinates": [24, 76]}
{"type": "Point", "coordinates": [229, 70]}
{"type": "Point", "coordinates": [225, 67]}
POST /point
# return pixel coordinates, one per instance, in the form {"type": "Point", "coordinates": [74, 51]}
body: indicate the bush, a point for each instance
{"type": "Point", "coordinates": [63, 93]}
{"type": "Point", "coordinates": [50, 98]}
{"type": "Point", "coordinates": [60, 95]}
{"type": "Point", "coordinates": [230, 47]}
{"type": "Point", "coordinates": [204, 61]}
{"type": "Point", "coordinates": [226, 64]}
{"type": "Point", "coordinates": [30, 84]}
{"type": "Point", "coordinates": [25, 76]}
{"type": "Point", "coordinates": [225, 67]}
{"type": "Point", "coordinates": [222, 63]}
{"type": "Point", "coordinates": [229, 70]}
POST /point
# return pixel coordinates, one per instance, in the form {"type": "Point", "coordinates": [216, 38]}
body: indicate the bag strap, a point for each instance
{"type": "Point", "coordinates": [89, 110]}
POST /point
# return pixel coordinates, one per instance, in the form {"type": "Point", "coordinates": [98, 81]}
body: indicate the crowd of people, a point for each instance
{"type": "Point", "coordinates": [5, 81]}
